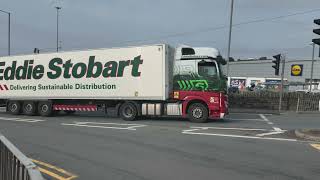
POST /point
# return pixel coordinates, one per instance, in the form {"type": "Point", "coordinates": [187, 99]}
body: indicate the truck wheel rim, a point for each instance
{"type": "Point", "coordinates": [28, 107]}
{"type": "Point", "coordinates": [14, 107]}
{"type": "Point", "coordinates": [128, 112]}
{"type": "Point", "coordinates": [44, 108]}
{"type": "Point", "coordinates": [197, 113]}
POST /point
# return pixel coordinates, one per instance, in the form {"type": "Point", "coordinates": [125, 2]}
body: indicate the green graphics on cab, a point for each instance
{"type": "Point", "coordinates": [195, 82]}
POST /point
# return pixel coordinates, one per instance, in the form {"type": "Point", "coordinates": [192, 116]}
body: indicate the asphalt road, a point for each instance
{"type": "Point", "coordinates": [92, 147]}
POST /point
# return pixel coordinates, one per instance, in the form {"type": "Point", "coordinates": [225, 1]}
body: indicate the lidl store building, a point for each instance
{"type": "Point", "coordinates": [261, 74]}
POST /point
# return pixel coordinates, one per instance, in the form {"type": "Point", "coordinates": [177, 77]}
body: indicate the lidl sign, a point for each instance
{"type": "Point", "coordinates": [296, 69]}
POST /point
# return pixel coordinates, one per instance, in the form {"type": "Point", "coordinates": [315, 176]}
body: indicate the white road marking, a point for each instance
{"type": "Point", "coordinates": [270, 133]}
{"type": "Point", "coordinates": [251, 113]}
{"type": "Point", "coordinates": [277, 129]}
{"type": "Point", "coordinates": [269, 122]}
{"type": "Point", "coordinates": [137, 126]}
{"type": "Point", "coordinates": [264, 117]}
{"type": "Point", "coordinates": [20, 119]}
{"type": "Point", "coordinates": [191, 130]}
{"type": "Point", "coordinates": [268, 114]}
{"type": "Point", "coordinates": [32, 120]}
{"type": "Point", "coordinates": [241, 129]}
{"type": "Point", "coordinates": [120, 124]}
{"type": "Point", "coordinates": [8, 119]}
{"type": "Point", "coordinates": [246, 119]}
{"type": "Point", "coordinates": [105, 125]}
{"type": "Point", "coordinates": [234, 136]}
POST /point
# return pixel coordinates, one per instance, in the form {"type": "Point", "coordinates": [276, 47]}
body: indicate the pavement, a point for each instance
{"type": "Point", "coordinates": [308, 134]}
{"type": "Point", "coordinates": [243, 146]}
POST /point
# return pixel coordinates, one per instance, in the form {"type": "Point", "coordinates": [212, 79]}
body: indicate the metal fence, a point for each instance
{"type": "Point", "coordinates": [308, 105]}
{"type": "Point", "coordinates": [14, 165]}
{"type": "Point", "coordinates": [291, 101]}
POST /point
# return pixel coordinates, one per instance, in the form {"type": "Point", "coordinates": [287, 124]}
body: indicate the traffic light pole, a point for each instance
{"type": "Point", "coordinates": [283, 59]}
{"type": "Point", "coordinates": [312, 64]}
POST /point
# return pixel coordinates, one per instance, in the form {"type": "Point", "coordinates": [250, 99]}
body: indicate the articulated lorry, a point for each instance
{"type": "Point", "coordinates": [133, 82]}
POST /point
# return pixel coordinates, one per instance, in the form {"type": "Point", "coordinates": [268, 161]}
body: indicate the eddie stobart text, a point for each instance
{"type": "Point", "coordinates": [58, 68]}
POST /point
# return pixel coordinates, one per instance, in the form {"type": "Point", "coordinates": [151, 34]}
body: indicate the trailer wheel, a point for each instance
{"type": "Point", "coordinates": [29, 108]}
{"type": "Point", "coordinates": [198, 113]}
{"type": "Point", "coordinates": [45, 108]}
{"type": "Point", "coordinates": [14, 107]}
{"type": "Point", "coordinates": [128, 112]}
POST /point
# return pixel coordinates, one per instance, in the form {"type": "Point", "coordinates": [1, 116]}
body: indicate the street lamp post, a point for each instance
{"type": "Point", "coordinates": [58, 8]}
{"type": "Point", "coordinates": [229, 39]}
{"type": "Point", "coordinates": [9, 30]}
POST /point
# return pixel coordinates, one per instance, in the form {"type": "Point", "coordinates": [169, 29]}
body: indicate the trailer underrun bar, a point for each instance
{"type": "Point", "coordinates": [59, 107]}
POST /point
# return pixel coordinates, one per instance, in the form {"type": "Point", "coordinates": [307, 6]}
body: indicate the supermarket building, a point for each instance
{"type": "Point", "coordinates": [297, 74]}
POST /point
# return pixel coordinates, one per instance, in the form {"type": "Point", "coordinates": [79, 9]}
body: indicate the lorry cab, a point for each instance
{"type": "Point", "coordinates": [202, 64]}
{"type": "Point", "coordinates": [199, 83]}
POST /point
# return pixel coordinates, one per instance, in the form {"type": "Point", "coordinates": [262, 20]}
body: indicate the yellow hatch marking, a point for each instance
{"type": "Point", "coordinates": [51, 174]}
{"type": "Point", "coordinates": [317, 146]}
{"type": "Point", "coordinates": [62, 171]}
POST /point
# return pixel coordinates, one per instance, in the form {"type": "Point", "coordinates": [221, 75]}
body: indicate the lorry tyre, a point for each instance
{"type": "Point", "coordinates": [29, 108]}
{"type": "Point", "coordinates": [198, 113]}
{"type": "Point", "coordinates": [128, 111]}
{"type": "Point", "coordinates": [45, 108]}
{"type": "Point", "coordinates": [14, 107]}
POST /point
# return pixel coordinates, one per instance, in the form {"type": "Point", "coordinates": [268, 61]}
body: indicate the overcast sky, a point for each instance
{"type": "Point", "coordinates": [109, 23]}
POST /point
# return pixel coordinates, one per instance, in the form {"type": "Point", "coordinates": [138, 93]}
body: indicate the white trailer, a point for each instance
{"type": "Point", "coordinates": [91, 74]}
{"type": "Point", "coordinates": [132, 81]}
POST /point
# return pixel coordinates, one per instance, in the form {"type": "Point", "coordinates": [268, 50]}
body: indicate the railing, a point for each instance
{"type": "Point", "coordinates": [308, 105]}
{"type": "Point", "coordinates": [14, 165]}
{"type": "Point", "coordinates": [291, 101]}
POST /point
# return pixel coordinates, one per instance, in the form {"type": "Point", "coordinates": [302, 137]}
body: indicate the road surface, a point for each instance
{"type": "Point", "coordinates": [242, 147]}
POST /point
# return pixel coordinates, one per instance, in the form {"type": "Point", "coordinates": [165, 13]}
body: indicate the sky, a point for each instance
{"type": "Point", "coordinates": [88, 24]}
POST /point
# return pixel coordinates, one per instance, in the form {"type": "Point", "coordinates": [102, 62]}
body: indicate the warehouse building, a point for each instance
{"type": "Point", "coordinates": [260, 74]}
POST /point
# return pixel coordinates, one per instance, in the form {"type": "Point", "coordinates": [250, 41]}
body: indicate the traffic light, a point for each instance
{"type": "Point", "coordinates": [276, 65]}
{"type": "Point", "coordinates": [316, 31]}
{"type": "Point", "coordinates": [36, 51]}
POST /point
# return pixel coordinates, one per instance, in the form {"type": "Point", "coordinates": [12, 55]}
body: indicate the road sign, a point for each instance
{"type": "Point", "coordinates": [296, 69]}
